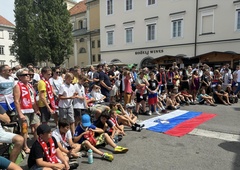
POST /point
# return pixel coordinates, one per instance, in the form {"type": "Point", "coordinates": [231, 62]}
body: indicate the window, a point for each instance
{"type": "Point", "coordinates": [2, 62]}
{"type": "Point", "coordinates": [207, 19]}
{"type": "Point", "coordinates": [151, 32]}
{"type": "Point", "coordinates": [11, 53]}
{"type": "Point", "coordinates": [129, 35]}
{"type": "Point", "coordinates": [93, 58]}
{"type": "Point", "coordinates": [129, 5]}
{"type": "Point", "coordinates": [177, 28]}
{"type": "Point", "coordinates": [11, 35]}
{"type": "Point", "coordinates": [1, 50]}
{"type": "Point", "coordinates": [99, 57]}
{"type": "Point", "coordinates": [237, 27]}
{"type": "Point", "coordinates": [93, 44]}
{"type": "Point", "coordinates": [99, 44]}
{"type": "Point", "coordinates": [80, 24]}
{"type": "Point", "coordinates": [82, 50]}
{"type": "Point", "coordinates": [110, 38]}
{"type": "Point", "coordinates": [1, 34]}
{"type": "Point", "coordinates": [151, 2]}
{"type": "Point", "coordinates": [109, 7]}
{"type": "Point", "coordinates": [81, 40]}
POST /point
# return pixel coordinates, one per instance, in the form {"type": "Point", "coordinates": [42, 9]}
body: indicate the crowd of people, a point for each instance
{"type": "Point", "coordinates": [92, 107]}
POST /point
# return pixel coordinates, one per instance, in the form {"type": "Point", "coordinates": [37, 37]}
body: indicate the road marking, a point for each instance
{"type": "Point", "coordinates": [216, 135]}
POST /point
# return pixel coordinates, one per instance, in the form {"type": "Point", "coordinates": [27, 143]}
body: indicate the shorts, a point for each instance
{"type": "Point", "coordinates": [4, 163]}
{"type": "Point", "coordinates": [45, 114]}
{"type": "Point", "coordinates": [6, 137]}
{"type": "Point", "coordinates": [79, 112]}
{"type": "Point", "coordinates": [152, 98]}
{"type": "Point", "coordinates": [2, 110]}
{"type": "Point", "coordinates": [31, 118]}
{"type": "Point", "coordinates": [67, 113]}
{"type": "Point", "coordinates": [98, 107]}
{"type": "Point", "coordinates": [100, 140]}
{"type": "Point", "coordinates": [113, 92]}
{"type": "Point", "coordinates": [127, 98]}
{"type": "Point", "coordinates": [140, 98]}
{"type": "Point", "coordinates": [36, 167]}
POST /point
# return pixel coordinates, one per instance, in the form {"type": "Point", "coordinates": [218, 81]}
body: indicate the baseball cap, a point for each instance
{"type": "Point", "coordinates": [43, 128]}
{"type": "Point", "coordinates": [86, 120]}
{"type": "Point", "coordinates": [129, 105]}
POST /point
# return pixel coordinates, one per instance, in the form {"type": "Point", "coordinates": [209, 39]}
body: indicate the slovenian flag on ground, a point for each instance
{"type": "Point", "coordinates": [177, 123]}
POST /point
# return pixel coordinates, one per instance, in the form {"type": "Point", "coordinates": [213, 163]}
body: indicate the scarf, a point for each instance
{"type": "Point", "coordinates": [162, 81]}
{"type": "Point", "coordinates": [26, 103]}
{"type": "Point", "coordinates": [52, 156]}
{"type": "Point", "coordinates": [50, 94]}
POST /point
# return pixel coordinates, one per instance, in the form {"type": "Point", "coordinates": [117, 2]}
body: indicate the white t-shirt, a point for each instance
{"type": "Point", "coordinates": [36, 77]}
{"type": "Point", "coordinates": [62, 139]}
{"type": "Point", "coordinates": [238, 76]}
{"type": "Point", "coordinates": [78, 103]}
{"type": "Point", "coordinates": [56, 83]}
{"type": "Point", "coordinates": [6, 88]}
{"type": "Point", "coordinates": [67, 91]}
{"type": "Point", "coordinates": [226, 78]}
{"type": "Point", "coordinates": [97, 95]}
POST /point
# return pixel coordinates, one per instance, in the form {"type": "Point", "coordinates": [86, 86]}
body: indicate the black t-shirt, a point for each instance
{"type": "Point", "coordinates": [104, 77]}
{"type": "Point", "coordinates": [111, 73]}
{"type": "Point", "coordinates": [152, 84]}
{"type": "Point", "coordinates": [99, 124]}
{"type": "Point", "coordinates": [38, 152]}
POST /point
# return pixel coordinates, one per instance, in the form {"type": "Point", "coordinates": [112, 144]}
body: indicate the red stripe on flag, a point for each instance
{"type": "Point", "coordinates": [187, 126]}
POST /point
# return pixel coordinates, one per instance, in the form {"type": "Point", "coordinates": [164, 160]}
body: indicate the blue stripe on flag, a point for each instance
{"type": "Point", "coordinates": [164, 126]}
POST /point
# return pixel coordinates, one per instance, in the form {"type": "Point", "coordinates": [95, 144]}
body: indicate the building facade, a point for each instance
{"type": "Point", "coordinates": [138, 31]}
{"type": "Point", "coordinates": [6, 34]}
{"type": "Point", "coordinates": [86, 33]}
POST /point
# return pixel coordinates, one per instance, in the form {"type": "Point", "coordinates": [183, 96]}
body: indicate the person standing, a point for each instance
{"type": "Point", "coordinates": [67, 93]}
{"type": "Point", "coordinates": [26, 106]}
{"type": "Point", "coordinates": [105, 83]}
{"type": "Point", "coordinates": [46, 101]}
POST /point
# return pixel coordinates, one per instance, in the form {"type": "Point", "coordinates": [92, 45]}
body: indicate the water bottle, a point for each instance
{"type": "Point", "coordinates": [24, 127]}
{"type": "Point", "coordinates": [90, 156]}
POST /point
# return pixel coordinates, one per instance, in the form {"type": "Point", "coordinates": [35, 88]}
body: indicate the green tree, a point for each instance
{"type": "Point", "coordinates": [24, 32]}
{"type": "Point", "coordinates": [51, 38]}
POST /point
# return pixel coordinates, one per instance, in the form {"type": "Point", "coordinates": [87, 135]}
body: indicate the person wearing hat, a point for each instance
{"type": "Point", "coordinates": [45, 152]}
{"type": "Point", "coordinates": [86, 128]}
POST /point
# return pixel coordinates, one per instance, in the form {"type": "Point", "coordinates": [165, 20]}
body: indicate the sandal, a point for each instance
{"type": "Point", "coordinates": [27, 150]}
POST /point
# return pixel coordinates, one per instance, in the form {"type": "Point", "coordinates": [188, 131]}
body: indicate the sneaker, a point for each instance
{"type": "Point", "coordinates": [156, 113]}
{"type": "Point", "coordinates": [73, 164]}
{"type": "Point", "coordinates": [149, 113]}
{"type": "Point", "coordinates": [120, 149]}
{"type": "Point", "coordinates": [108, 156]}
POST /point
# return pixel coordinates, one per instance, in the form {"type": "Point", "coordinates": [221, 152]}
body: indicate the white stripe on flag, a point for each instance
{"type": "Point", "coordinates": [150, 122]}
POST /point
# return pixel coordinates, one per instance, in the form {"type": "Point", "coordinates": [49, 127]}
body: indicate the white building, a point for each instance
{"type": "Point", "coordinates": [137, 31]}
{"type": "Point", "coordinates": [6, 33]}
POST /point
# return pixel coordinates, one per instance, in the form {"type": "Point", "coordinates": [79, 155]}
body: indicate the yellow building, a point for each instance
{"type": "Point", "coordinates": [86, 34]}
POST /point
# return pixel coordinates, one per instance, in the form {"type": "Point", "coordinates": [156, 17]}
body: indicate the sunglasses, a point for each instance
{"type": "Point", "coordinates": [23, 75]}
{"type": "Point", "coordinates": [58, 72]}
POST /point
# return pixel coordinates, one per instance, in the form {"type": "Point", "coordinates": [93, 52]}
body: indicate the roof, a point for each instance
{"type": "Point", "coordinates": [78, 8]}
{"type": "Point", "coordinates": [4, 21]}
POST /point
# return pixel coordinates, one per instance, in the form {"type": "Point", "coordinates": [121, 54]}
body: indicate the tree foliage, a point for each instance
{"type": "Point", "coordinates": [43, 31]}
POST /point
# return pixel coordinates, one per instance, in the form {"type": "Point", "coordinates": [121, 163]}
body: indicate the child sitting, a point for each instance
{"type": "Point", "coordinates": [205, 98]}
{"type": "Point", "coordinates": [171, 103]}
{"type": "Point", "coordinates": [187, 96]}
{"type": "Point", "coordinates": [85, 128]}
{"type": "Point", "coordinates": [96, 93]}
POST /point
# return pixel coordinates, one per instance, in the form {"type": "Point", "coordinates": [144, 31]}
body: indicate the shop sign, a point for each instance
{"type": "Point", "coordinates": [147, 52]}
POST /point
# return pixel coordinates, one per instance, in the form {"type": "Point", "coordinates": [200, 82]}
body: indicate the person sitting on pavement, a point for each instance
{"type": "Point", "coordinates": [171, 103]}
{"type": "Point", "coordinates": [205, 98]}
{"type": "Point", "coordinates": [179, 97]}
{"type": "Point", "coordinates": [64, 140]}
{"type": "Point", "coordinates": [188, 97]}
{"type": "Point", "coordinates": [152, 94]}
{"type": "Point", "coordinates": [220, 96]}
{"type": "Point", "coordinates": [84, 135]}
{"type": "Point", "coordinates": [45, 153]}
{"type": "Point", "coordinates": [232, 97]}
{"type": "Point", "coordinates": [8, 165]}
{"type": "Point", "coordinates": [8, 137]}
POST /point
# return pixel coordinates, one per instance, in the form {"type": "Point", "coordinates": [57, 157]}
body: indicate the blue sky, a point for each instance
{"type": "Point", "coordinates": [6, 10]}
